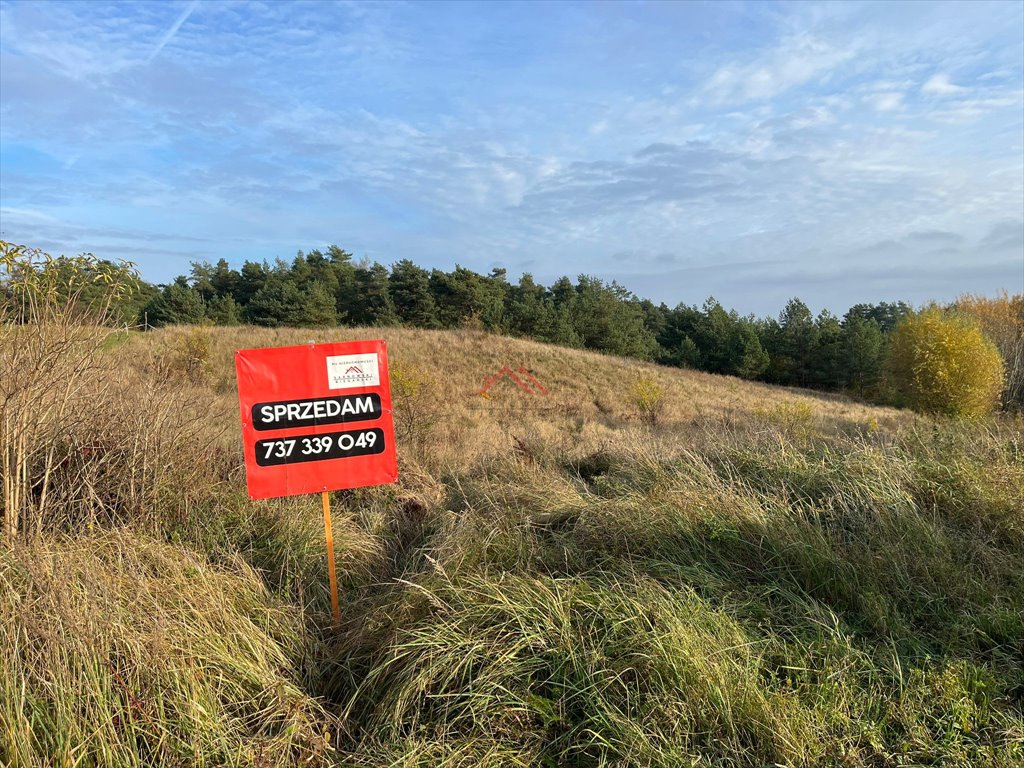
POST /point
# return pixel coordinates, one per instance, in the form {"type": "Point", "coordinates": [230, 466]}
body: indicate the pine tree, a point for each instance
{"type": "Point", "coordinates": [225, 280]}
{"type": "Point", "coordinates": [525, 308]}
{"type": "Point", "coordinates": [316, 309]}
{"type": "Point", "coordinates": [223, 310]}
{"type": "Point", "coordinates": [797, 342]}
{"type": "Point", "coordinates": [176, 304]}
{"type": "Point", "coordinates": [826, 356]}
{"type": "Point", "coordinates": [410, 291]}
{"type": "Point", "coordinates": [862, 349]}
{"type": "Point", "coordinates": [371, 302]}
{"type": "Point", "coordinates": [252, 278]}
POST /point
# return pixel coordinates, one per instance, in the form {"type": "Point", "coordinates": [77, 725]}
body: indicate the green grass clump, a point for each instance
{"type": "Point", "coordinates": [575, 671]}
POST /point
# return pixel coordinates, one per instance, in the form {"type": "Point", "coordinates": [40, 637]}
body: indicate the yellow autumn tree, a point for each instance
{"type": "Point", "coordinates": [1002, 320]}
{"type": "Point", "coordinates": [941, 362]}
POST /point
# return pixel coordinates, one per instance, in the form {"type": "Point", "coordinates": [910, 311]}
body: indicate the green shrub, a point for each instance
{"type": "Point", "coordinates": [942, 363]}
{"type": "Point", "coordinates": [194, 352]}
{"type": "Point", "coordinates": [797, 418]}
{"type": "Point", "coordinates": [415, 401]}
{"type": "Point", "coordinates": [649, 398]}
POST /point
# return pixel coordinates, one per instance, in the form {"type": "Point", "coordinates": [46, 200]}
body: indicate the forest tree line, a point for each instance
{"type": "Point", "coordinates": [329, 288]}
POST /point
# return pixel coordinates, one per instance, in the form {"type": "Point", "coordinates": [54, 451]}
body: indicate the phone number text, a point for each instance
{"type": "Point", "coordinates": [336, 445]}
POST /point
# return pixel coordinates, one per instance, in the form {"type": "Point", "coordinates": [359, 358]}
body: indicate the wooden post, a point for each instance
{"type": "Point", "coordinates": [335, 604]}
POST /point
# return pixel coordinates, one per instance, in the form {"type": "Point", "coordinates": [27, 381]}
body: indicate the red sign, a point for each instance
{"type": "Point", "coordinates": [316, 417]}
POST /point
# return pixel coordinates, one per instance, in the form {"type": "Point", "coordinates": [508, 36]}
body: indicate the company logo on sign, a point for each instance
{"type": "Point", "coordinates": [350, 371]}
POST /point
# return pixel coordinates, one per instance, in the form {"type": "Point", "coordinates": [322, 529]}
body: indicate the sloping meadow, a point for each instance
{"type": "Point", "coordinates": [761, 577]}
{"type": "Point", "coordinates": [752, 602]}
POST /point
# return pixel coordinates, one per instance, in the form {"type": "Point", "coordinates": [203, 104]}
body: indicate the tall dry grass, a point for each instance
{"type": "Point", "coordinates": [49, 338]}
{"type": "Point", "coordinates": [118, 650]}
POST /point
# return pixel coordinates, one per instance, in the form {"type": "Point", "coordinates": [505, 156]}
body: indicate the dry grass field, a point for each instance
{"type": "Point", "coordinates": [644, 567]}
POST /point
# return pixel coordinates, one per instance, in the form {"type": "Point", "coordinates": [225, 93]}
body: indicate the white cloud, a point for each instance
{"type": "Point", "coordinates": [26, 216]}
{"type": "Point", "coordinates": [793, 62]}
{"type": "Point", "coordinates": [939, 85]}
{"type": "Point", "coordinates": [812, 117]}
{"type": "Point", "coordinates": [886, 102]}
{"type": "Point", "coordinates": [970, 110]}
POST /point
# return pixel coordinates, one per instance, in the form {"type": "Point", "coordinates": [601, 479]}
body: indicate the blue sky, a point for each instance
{"type": "Point", "coordinates": [753, 151]}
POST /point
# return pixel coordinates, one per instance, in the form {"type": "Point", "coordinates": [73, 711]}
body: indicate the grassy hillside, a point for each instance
{"type": "Point", "coordinates": [763, 576]}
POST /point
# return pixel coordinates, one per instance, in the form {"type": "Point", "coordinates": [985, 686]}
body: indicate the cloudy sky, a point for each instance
{"type": "Point", "coordinates": [753, 151]}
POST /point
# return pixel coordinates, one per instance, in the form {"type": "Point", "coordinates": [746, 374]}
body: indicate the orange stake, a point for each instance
{"type": "Point", "coordinates": [335, 604]}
